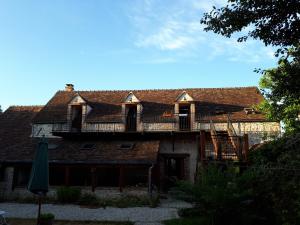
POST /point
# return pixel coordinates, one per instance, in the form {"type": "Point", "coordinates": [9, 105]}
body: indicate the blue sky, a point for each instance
{"type": "Point", "coordinates": [119, 44]}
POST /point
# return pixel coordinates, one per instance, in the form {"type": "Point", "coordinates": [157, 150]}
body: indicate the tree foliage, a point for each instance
{"type": "Point", "coordinates": [275, 23]}
{"type": "Point", "coordinates": [266, 192]}
{"type": "Point", "coordinates": [282, 91]}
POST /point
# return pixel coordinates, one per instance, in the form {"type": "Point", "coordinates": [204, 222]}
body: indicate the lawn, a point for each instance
{"type": "Point", "coordinates": [60, 222]}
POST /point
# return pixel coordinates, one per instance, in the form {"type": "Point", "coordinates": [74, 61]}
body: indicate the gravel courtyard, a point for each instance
{"type": "Point", "coordinates": [140, 215]}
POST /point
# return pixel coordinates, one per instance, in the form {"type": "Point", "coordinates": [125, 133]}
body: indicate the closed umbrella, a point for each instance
{"type": "Point", "coordinates": [39, 177]}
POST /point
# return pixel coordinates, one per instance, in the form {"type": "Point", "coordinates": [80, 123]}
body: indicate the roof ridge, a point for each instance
{"type": "Point", "coordinates": [164, 89]}
{"type": "Point", "coordinates": [25, 106]}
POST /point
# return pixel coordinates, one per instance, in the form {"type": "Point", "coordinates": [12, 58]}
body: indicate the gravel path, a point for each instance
{"type": "Point", "coordinates": [139, 215]}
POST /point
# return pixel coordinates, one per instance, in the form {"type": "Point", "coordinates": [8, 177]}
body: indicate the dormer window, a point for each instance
{"type": "Point", "coordinates": [76, 117]}
{"type": "Point", "coordinates": [131, 102]}
{"type": "Point", "coordinates": [184, 101]}
{"type": "Point", "coordinates": [249, 111]}
{"type": "Point", "coordinates": [184, 117]}
{"type": "Point", "coordinates": [131, 98]}
{"type": "Point", "coordinates": [76, 113]}
{"type": "Point", "coordinates": [184, 97]}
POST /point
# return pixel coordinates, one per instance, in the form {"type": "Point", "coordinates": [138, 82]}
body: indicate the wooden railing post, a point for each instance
{"type": "Point", "coordinates": [94, 182]}
{"type": "Point", "coordinates": [202, 145]}
{"type": "Point", "coordinates": [246, 146]}
{"type": "Point", "coordinates": [67, 175]}
{"type": "Point", "coordinates": [121, 178]}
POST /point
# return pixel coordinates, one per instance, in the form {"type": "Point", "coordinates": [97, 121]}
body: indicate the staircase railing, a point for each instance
{"type": "Point", "coordinates": [215, 140]}
{"type": "Point", "coordinates": [234, 138]}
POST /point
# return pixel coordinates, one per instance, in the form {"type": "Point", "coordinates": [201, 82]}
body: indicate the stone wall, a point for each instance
{"type": "Point", "coordinates": [101, 192]}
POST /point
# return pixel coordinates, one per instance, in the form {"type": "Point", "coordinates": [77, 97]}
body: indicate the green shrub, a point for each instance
{"type": "Point", "coordinates": [47, 216]}
{"type": "Point", "coordinates": [89, 199]}
{"type": "Point", "coordinates": [128, 201]}
{"type": "Point", "coordinates": [189, 212]}
{"type": "Point", "coordinates": [154, 201]}
{"type": "Point", "coordinates": [267, 192]}
{"type": "Point", "coordinates": [68, 194]}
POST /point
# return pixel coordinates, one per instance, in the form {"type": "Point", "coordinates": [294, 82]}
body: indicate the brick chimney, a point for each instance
{"type": "Point", "coordinates": [69, 87]}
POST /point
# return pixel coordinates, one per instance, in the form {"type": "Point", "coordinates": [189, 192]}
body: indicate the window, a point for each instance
{"type": "Point", "coordinates": [249, 111]}
{"type": "Point", "coordinates": [52, 146]}
{"type": "Point", "coordinates": [87, 146]}
{"type": "Point", "coordinates": [126, 146]}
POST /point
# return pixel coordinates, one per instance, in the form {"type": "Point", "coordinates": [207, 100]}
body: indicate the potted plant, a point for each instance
{"type": "Point", "coordinates": [46, 219]}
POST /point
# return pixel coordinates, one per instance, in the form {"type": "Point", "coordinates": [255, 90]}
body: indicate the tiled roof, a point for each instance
{"type": "Point", "coordinates": [15, 131]}
{"type": "Point", "coordinates": [17, 145]}
{"type": "Point", "coordinates": [107, 104]}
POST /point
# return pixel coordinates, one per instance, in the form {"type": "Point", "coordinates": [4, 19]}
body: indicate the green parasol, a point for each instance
{"type": "Point", "coordinates": [39, 177]}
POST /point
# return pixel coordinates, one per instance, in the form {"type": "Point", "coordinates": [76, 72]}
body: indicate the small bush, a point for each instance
{"type": "Point", "coordinates": [68, 194]}
{"type": "Point", "coordinates": [154, 201]}
{"type": "Point", "coordinates": [128, 201]}
{"type": "Point", "coordinates": [47, 216]}
{"type": "Point", "coordinates": [189, 212]}
{"type": "Point", "coordinates": [89, 199]}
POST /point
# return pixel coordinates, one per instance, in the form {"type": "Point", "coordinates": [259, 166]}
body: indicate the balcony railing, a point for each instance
{"type": "Point", "coordinates": [147, 123]}
{"type": "Point", "coordinates": [140, 122]}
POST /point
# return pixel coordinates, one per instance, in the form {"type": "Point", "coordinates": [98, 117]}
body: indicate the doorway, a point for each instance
{"type": "Point", "coordinates": [131, 118]}
{"type": "Point", "coordinates": [173, 171]}
{"type": "Point", "coordinates": [184, 117]}
{"type": "Point", "coordinates": [76, 118]}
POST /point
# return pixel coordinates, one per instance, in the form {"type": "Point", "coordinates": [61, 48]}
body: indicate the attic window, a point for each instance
{"type": "Point", "coordinates": [52, 146]}
{"type": "Point", "coordinates": [126, 146]}
{"type": "Point", "coordinates": [87, 146]}
{"type": "Point", "coordinates": [249, 111]}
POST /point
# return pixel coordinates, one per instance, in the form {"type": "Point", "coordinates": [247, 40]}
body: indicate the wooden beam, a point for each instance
{"type": "Point", "coordinates": [93, 178]}
{"type": "Point", "coordinates": [202, 145]}
{"type": "Point", "coordinates": [246, 146]}
{"type": "Point", "coordinates": [67, 175]}
{"type": "Point", "coordinates": [182, 170]}
{"type": "Point", "coordinates": [121, 178]}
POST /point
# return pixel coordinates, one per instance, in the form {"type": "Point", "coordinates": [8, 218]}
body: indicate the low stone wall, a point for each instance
{"type": "Point", "coordinates": [101, 192]}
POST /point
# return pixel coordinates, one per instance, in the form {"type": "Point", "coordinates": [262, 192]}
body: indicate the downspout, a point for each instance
{"type": "Point", "coordinates": [150, 179]}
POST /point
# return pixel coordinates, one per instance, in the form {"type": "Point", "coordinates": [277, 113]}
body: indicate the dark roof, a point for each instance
{"type": "Point", "coordinates": [107, 104]}
{"type": "Point", "coordinates": [15, 131]}
{"type": "Point", "coordinates": [16, 145]}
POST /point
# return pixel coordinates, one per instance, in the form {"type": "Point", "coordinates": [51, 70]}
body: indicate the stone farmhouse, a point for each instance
{"type": "Point", "coordinates": [123, 140]}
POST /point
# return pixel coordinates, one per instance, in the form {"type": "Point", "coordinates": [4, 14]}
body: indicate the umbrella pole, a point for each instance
{"type": "Point", "coordinates": [39, 211]}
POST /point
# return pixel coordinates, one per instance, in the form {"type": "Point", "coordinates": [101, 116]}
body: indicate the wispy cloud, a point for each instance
{"type": "Point", "coordinates": [174, 27]}
{"type": "Point", "coordinates": [170, 37]}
